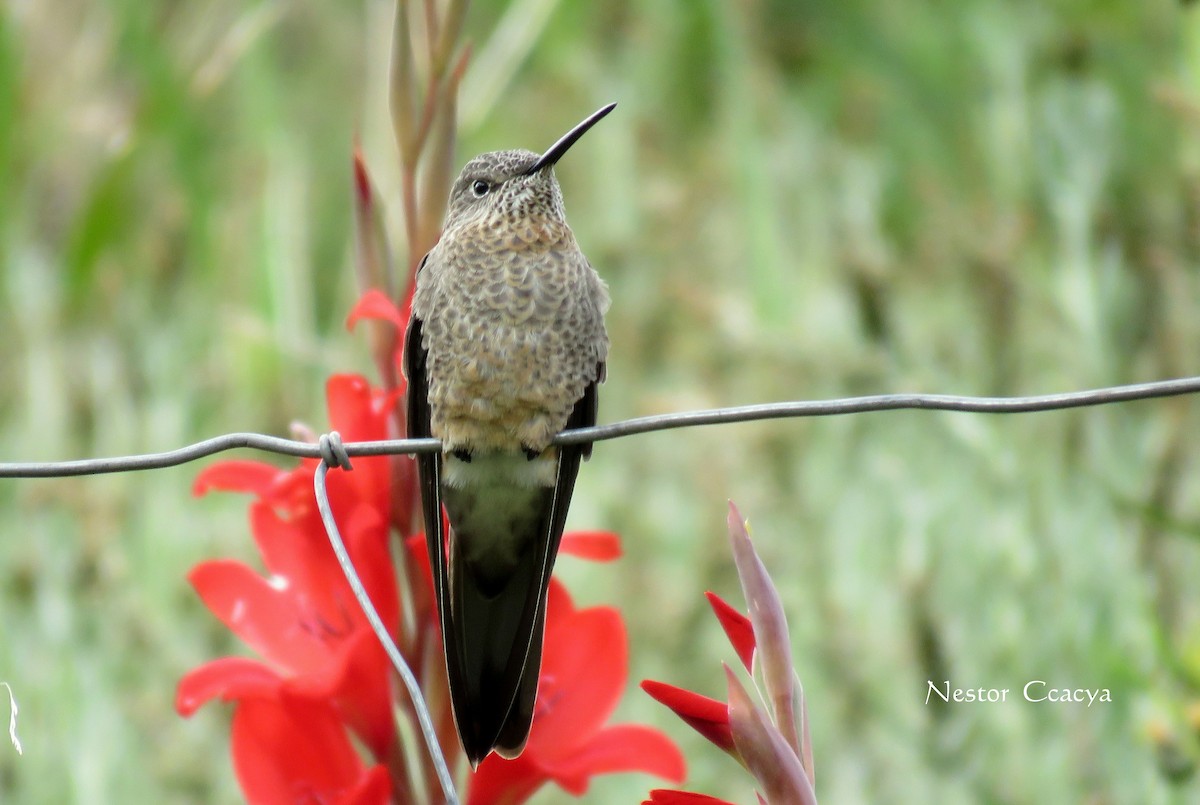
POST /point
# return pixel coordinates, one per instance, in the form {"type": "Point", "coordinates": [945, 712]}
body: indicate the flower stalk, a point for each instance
{"type": "Point", "coordinates": [771, 743]}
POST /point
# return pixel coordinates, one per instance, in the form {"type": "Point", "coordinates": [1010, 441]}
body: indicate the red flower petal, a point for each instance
{"type": "Point", "coordinates": [229, 677]}
{"type": "Point", "coordinates": [289, 750]}
{"type": "Point", "coordinates": [705, 715]}
{"type": "Point", "coordinates": [261, 613]}
{"type": "Point", "coordinates": [598, 546]}
{"type": "Point", "coordinates": [357, 411]}
{"type": "Point", "coordinates": [360, 413]}
{"type": "Point", "coordinates": [290, 548]}
{"type": "Point", "coordinates": [584, 665]}
{"type": "Point", "coordinates": [255, 477]}
{"type": "Point", "coordinates": [298, 553]}
{"type": "Point", "coordinates": [356, 682]}
{"type": "Point", "coordinates": [366, 539]}
{"type": "Point", "coordinates": [373, 788]}
{"type": "Point", "coordinates": [374, 304]}
{"type": "Point", "coordinates": [663, 796]}
{"type": "Point", "coordinates": [625, 747]}
{"type": "Point", "coordinates": [505, 782]}
{"type": "Point", "coordinates": [738, 629]}
{"type": "Point", "coordinates": [622, 748]}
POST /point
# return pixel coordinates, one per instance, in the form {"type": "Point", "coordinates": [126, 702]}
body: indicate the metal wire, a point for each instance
{"type": "Point", "coordinates": [334, 454]}
{"type": "Point", "coordinates": [629, 427]}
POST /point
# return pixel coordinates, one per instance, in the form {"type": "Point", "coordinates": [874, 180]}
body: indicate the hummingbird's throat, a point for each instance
{"type": "Point", "coordinates": [518, 231]}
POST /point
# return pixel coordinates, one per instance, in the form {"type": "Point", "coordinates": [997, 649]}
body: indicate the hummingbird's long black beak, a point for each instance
{"type": "Point", "coordinates": [555, 152]}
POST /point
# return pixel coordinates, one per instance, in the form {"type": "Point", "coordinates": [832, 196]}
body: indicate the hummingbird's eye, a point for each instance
{"type": "Point", "coordinates": [480, 188]}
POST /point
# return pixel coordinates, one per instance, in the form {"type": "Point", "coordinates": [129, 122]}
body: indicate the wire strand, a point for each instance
{"type": "Point", "coordinates": [336, 452]}
{"type": "Point", "coordinates": [629, 427]}
{"type": "Point", "coordinates": [332, 452]}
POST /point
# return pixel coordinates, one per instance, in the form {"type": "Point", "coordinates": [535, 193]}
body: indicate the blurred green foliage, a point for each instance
{"type": "Point", "coordinates": [795, 199]}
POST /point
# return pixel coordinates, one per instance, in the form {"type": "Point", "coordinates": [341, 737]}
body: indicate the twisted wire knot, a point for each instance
{"type": "Point", "coordinates": [333, 452]}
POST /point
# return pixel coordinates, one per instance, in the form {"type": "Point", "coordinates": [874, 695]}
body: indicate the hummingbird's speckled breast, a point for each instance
{"type": "Point", "coordinates": [514, 329]}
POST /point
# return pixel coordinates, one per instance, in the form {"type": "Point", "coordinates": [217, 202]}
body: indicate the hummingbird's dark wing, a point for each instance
{"type": "Point", "coordinates": [429, 472]}
{"type": "Point", "coordinates": [429, 465]}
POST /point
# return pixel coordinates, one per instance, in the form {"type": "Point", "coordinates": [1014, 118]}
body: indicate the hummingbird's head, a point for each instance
{"type": "Point", "coordinates": [499, 185]}
{"type": "Point", "coordinates": [513, 185]}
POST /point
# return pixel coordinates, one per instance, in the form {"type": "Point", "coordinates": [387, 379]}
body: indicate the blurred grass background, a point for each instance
{"type": "Point", "coordinates": [795, 199]}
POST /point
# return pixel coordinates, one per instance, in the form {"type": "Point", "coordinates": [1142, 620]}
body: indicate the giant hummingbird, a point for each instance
{"type": "Point", "coordinates": [505, 348]}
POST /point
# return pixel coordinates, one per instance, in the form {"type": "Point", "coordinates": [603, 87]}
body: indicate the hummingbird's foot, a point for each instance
{"type": "Point", "coordinates": [462, 454]}
{"type": "Point", "coordinates": [530, 453]}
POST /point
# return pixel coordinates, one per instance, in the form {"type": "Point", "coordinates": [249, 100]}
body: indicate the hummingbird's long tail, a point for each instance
{"type": "Point", "coordinates": [502, 547]}
{"type": "Point", "coordinates": [499, 572]}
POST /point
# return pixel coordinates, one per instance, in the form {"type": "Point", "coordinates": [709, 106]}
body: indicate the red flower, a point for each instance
{"type": "Point", "coordinates": [598, 546]}
{"type": "Point", "coordinates": [663, 796]}
{"type": "Point", "coordinates": [322, 674]}
{"type": "Point", "coordinates": [317, 648]}
{"type": "Point", "coordinates": [375, 305]}
{"type": "Point", "coordinates": [359, 413]}
{"type": "Point", "coordinates": [738, 629]}
{"type": "Point", "coordinates": [289, 742]}
{"type": "Point", "coordinates": [584, 668]}
{"type": "Point", "coordinates": [290, 750]}
{"type": "Point", "coordinates": [706, 716]}
{"type": "Point", "coordinates": [773, 751]}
